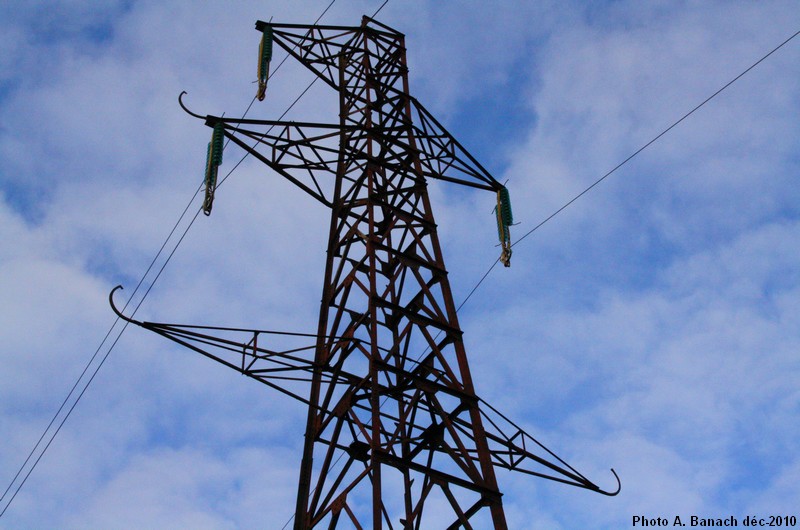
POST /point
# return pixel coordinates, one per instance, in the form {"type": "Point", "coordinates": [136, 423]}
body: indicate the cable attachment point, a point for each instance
{"type": "Point", "coordinates": [264, 58]}
{"type": "Point", "coordinates": [505, 219]}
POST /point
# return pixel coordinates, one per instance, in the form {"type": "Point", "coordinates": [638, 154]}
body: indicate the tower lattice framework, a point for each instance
{"type": "Point", "coordinates": [395, 435]}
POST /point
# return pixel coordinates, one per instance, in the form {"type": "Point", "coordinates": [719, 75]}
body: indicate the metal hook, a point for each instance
{"type": "Point", "coordinates": [180, 101]}
{"type": "Point", "coordinates": [117, 311]}
{"type": "Point", "coordinates": [612, 493]}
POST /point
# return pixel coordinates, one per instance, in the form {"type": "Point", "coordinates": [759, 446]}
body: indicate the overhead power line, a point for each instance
{"type": "Point", "coordinates": [635, 153]}
{"type": "Point", "coordinates": [174, 249]}
{"type": "Point", "coordinates": [94, 356]}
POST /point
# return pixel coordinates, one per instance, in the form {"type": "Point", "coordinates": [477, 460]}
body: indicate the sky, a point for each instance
{"type": "Point", "coordinates": [652, 326]}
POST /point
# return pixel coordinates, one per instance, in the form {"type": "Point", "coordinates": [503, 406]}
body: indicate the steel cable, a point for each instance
{"type": "Point", "coordinates": [114, 324]}
{"type": "Point", "coordinates": [618, 166]}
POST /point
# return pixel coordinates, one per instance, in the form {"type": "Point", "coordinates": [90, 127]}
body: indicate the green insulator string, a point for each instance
{"type": "Point", "coordinates": [264, 58]}
{"type": "Point", "coordinates": [505, 206]}
{"type": "Point", "coordinates": [504, 220]}
{"type": "Point", "coordinates": [213, 161]}
{"type": "Point", "coordinates": [217, 139]}
{"type": "Point", "coordinates": [502, 229]}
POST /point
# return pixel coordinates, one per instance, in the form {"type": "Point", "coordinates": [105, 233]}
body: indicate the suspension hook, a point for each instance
{"type": "Point", "coordinates": [180, 101]}
{"type": "Point", "coordinates": [612, 493]}
{"type": "Point", "coordinates": [117, 311]}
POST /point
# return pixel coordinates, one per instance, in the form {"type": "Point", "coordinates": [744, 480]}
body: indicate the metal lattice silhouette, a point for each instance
{"type": "Point", "coordinates": [396, 436]}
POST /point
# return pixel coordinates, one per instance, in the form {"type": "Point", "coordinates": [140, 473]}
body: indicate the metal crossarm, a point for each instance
{"type": "Point", "coordinates": [393, 422]}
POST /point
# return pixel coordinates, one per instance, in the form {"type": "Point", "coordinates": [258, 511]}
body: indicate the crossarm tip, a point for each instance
{"type": "Point", "coordinates": [612, 493]}
{"type": "Point", "coordinates": [117, 311]}
{"type": "Point", "coordinates": [185, 108]}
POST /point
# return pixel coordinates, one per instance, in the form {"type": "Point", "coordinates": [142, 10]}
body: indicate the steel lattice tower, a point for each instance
{"type": "Point", "coordinates": [395, 436]}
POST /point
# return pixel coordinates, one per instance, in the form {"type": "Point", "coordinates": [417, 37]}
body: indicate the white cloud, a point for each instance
{"type": "Point", "coordinates": [193, 489]}
{"type": "Point", "coordinates": [651, 327]}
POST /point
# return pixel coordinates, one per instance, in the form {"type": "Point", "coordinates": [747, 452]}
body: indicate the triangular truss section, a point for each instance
{"type": "Point", "coordinates": [396, 436]}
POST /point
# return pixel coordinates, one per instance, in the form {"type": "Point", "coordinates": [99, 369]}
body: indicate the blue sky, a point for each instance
{"type": "Point", "coordinates": [651, 327]}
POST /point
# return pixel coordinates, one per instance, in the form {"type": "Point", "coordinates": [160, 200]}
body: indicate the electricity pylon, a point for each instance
{"type": "Point", "coordinates": [395, 435]}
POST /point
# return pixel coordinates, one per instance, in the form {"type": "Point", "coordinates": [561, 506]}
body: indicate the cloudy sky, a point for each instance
{"type": "Point", "coordinates": [652, 327]}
